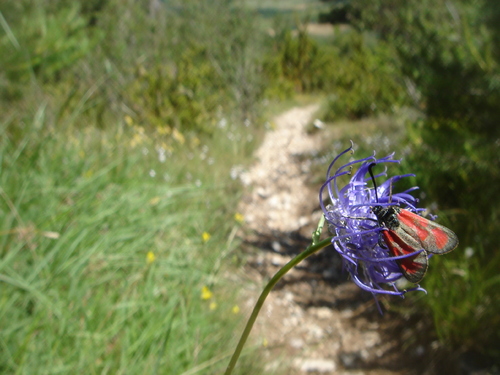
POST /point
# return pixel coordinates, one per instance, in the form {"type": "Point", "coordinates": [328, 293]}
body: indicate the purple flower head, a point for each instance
{"type": "Point", "coordinates": [355, 227]}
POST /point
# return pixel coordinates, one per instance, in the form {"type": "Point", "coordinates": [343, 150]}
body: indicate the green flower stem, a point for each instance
{"type": "Point", "coordinates": [313, 248]}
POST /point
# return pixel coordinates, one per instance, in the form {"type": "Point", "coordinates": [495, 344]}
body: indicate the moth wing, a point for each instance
{"type": "Point", "coordinates": [431, 236]}
{"type": "Point", "coordinates": [400, 243]}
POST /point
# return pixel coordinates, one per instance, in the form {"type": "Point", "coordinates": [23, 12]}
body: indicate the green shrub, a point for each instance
{"type": "Point", "coordinates": [303, 62]}
{"type": "Point", "coordinates": [366, 79]}
{"type": "Point", "coordinates": [182, 94]}
{"type": "Point", "coordinates": [297, 63]}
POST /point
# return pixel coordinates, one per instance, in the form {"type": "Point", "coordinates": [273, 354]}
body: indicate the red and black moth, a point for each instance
{"type": "Point", "coordinates": [406, 232]}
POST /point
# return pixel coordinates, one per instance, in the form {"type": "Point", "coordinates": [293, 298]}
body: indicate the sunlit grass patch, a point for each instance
{"type": "Point", "coordinates": [103, 260]}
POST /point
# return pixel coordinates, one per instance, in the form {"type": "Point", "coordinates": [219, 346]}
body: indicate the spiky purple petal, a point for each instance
{"type": "Point", "coordinates": [355, 227]}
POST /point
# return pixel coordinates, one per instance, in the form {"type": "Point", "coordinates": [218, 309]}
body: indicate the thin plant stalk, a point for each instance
{"type": "Point", "coordinates": [315, 246]}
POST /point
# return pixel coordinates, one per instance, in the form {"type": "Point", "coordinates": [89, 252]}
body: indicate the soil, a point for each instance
{"type": "Point", "coordinates": [315, 321]}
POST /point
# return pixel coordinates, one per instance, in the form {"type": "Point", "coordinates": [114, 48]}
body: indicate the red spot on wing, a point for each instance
{"type": "Point", "coordinates": [421, 231]}
{"type": "Point", "coordinates": [413, 267]}
{"type": "Point", "coordinates": [431, 236]}
{"type": "Point", "coordinates": [418, 223]}
{"type": "Point", "coordinates": [397, 246]}
{"type": "Point", "coordinates": [440, 238]}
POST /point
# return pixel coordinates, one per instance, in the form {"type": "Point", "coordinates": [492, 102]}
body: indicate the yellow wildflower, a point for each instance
{"type": "Point", "coordinates": [212, 306]}
{"type": "Point", "coordinates": [206, 293]}
{"type": "Point", "coordinates": [205, 236]}
{"type": "Point", "coordinates": [265, 343]}
{"type": "Point", "coordinates": [239, 217]}
{"type": "Point", "coordinates": [178, 136]}
{"type": "Point", "coordinates": [128, 120]}
{"type": "Point", "coordinates": [150, 257]}
{"type": "Point", "coordinates": [236, 309]}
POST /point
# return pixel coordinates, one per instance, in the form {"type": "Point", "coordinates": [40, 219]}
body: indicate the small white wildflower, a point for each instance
{"type": "Point", "coordinates": [222, 123]}
{"type": "Point", "coordinates": [162, 156]}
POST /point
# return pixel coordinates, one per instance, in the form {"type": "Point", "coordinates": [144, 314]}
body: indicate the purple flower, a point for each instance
{"type": "Point", "coordinates": [355, 227]}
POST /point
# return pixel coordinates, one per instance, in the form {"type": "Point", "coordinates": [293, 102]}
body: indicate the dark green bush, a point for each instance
{"type": "Point", "coordinates": [302, 61]}
{"type": "Point", "coordinates": [366, 79]}
{"type": "Point", "coordinates": [297, 61]}
{"type": "Point", "coordinates": [181, 94]}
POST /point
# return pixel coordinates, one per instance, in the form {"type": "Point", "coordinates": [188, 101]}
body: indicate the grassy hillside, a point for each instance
{"type": "Point", "coordinates": [117, 196]}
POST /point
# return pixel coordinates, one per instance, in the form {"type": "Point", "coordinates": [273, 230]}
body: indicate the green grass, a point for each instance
{"type": "Point", "coordinates": [115, 158]}
{"type": "Point", "coordinates": [80, 211]}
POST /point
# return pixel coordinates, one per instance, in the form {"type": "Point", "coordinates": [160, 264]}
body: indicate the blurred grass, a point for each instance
{"type": "Point", "coordinates": [81, 209]}
{"type": "Point", "coordinates": [120, 148]}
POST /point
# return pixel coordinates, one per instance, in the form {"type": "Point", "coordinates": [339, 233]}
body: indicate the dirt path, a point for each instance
{"type": "Point", "coordinates": [279, 198]}
{"type": "Point", "coordinates": [314, 321]}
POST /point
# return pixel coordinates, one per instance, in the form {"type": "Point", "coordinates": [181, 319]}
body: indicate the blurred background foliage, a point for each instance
{"type": "Point", "coordinates": [111, 89]}
{"type": "Point", "coordinates": [447, 70]}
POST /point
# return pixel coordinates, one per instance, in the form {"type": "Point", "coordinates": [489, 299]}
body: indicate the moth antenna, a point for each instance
{"type": "Point", "coordinates": [361, 218]}
{"type": "Point", "coordinates": [373, 179]}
